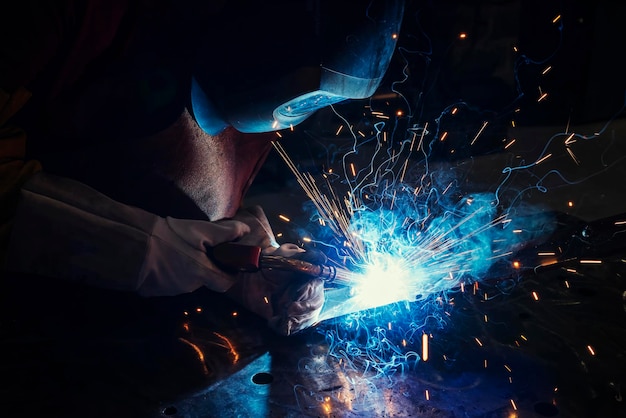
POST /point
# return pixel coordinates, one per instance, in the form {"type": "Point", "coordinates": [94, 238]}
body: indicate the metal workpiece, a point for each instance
{"type": "Point", "coordinates": [553, 346]}
{"type": "Point", "coordinates": [501, 357]}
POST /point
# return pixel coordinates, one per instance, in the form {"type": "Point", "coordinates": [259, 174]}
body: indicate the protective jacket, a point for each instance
{"type": "Point", "coordinates": [96, 91]}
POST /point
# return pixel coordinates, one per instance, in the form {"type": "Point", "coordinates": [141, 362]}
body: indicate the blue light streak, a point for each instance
{"type": "Point", "coordinates": [408, 255]}
{"type": "Point", "coordinates": [409, 235]}
{"type": "Point", "coordinates": [405, 238]}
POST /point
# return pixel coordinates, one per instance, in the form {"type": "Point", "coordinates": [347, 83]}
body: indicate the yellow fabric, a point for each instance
{"type": "Point", "coordinates": [14, 169]}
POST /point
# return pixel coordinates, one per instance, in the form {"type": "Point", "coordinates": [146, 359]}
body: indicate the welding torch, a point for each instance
{"type": "Point", "coordinates": [249, 258]}
{"type": "Point", "coordinates": [339, 299]}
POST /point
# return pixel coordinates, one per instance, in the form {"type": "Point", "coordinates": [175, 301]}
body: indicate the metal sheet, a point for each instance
{"type": "Point", "coordinates": [192, 357]}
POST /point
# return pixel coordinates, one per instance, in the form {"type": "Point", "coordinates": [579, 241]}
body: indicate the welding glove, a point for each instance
{"type": "Point", "coordinates": [289, 301]}
{"type": "Point", "coordinates": [67, 230]}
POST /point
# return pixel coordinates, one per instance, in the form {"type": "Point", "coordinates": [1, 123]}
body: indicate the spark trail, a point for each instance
{"type": "Point", "coordinates": [397, 242]}
{"type": "Point", "coordinates": [407, 237]}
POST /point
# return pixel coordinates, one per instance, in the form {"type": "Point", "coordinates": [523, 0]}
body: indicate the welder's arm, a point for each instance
{"type": "Point", "coordinates": [67, 230]}
{"type": "Point", "coordinates": [64, 229]}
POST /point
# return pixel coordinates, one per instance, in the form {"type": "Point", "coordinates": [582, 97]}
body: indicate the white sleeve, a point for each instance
{"type": "Point", "coordinates": [67, 230]}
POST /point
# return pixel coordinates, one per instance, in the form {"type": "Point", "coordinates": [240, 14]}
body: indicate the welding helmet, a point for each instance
{"type": "Point", "coordinates": [269, 65]}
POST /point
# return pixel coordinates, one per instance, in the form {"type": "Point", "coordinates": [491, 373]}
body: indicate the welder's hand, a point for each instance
{"type": "Point", "coordinates": [260, 234]}
{"type": "Point", "coordinates": [289, 301]}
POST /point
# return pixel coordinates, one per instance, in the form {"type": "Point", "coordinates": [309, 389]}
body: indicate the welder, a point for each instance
{"type": "Point", "coordinates": [130, 132]}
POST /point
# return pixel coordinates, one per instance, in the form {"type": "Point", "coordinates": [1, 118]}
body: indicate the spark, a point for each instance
{"type": "Point", "coordinates": [404, 238]}
{"type": "Point", "coordinates": [590, 261]}
{"type": "Point", "coordinates": [570, 139]}
{"type": "Point", "coordinates": [539, 161]}
{"type": "Point", "coordinates": [326, 405]}
{"type": "Point", "coordinates": [480, 131]}
{"type": "Point", "coordinates": [424, 347]}
{"type": "Point", "coordinates": [571, 154]}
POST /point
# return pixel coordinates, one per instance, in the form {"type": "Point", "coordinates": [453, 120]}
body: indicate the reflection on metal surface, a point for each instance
{"type": "Point", "coordinates": [508, 354]}
{"type": "Point", "coordinates": [244, 393]}
{"type": "Point", "coordinates": [200, 354]}
{"type": "Point", "coordinates": [527, 359]}
{"type": "Point", "coordinates": [229, 345]}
